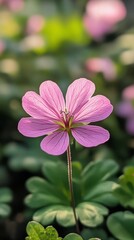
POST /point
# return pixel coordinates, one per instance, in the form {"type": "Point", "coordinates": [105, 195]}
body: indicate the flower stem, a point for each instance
{"type": "Point", "coordinates": [69, 160]}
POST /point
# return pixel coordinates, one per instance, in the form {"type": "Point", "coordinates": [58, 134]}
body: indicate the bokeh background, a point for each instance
{"type": "Point", "coordinates": [61, 40]}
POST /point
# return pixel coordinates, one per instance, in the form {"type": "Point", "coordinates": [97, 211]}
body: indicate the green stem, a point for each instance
{"type": "Point", "coordinates": [71, 186]}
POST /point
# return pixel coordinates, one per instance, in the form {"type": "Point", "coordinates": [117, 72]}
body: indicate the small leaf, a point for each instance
{"type": "Point", "coordinates": [35, 231]}
{"type": "Point", "coordinates": [121, 225]}
{"type": "Point", "coordinates": [73, 236]}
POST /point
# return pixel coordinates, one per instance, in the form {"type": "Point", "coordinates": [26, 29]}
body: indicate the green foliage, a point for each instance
{"type": "Point", "coordinates": [29, 158]}
{"type": "Point", "coordinates": [51, 197]}
{"type": "Point", "coordinates": [121, 225]}
{"type": "Point", "coordinates": [5, 198]}
{"type": "Point", "coordinates": [36, 231]}
{"type": "Point", "coordinates": [124, 191]}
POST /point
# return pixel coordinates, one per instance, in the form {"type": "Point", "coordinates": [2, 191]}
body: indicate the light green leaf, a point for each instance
{"type": "Point", "coordinates": [36, 231]}
{"type": "Point", "coordinates": [73, 236]}
{"type": "Point", "coordinates": [91, 214]}
{"type": "Point", "coordinates": [121, 225]}
{"type": "Point", "coordinates": [63, 215]}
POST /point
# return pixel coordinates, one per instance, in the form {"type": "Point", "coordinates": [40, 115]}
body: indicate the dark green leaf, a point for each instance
{"type": "Point", "coordinates": [121, 225]}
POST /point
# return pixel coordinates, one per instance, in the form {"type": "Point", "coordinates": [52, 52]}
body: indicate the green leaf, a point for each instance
{"type": "Point", "coordinates": [36, 231]}
{"type": "Point", "coordinates": [51, 196]}
{"type": "Point", "coordinates": [56, 172]}
{"type": "Point", "coordinates": [5, 195]}
{"type": "Point", "coordinates": [63, 215]}
{"type": "Point", "coordinates": [102, 193]}
{"type": "Point", "coordinates": [124, 191]}
{"type": "Point", "coordinates": [91, 214]}
{"type": "Point", "coordinates": [73, 236]}
{"type": "Point", "coordinates": [99, 170]}
{"type": "Point", "coordinates": [5, 210]}
{"type": "Point", "coordinates": [121, 225]}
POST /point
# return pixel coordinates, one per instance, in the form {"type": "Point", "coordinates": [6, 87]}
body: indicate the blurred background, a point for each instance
{"type": "Point", "coordinates": [60, 40]}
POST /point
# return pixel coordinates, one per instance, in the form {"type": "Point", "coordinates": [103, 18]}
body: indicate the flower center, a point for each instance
{"type": "Point", "coordinates": [66, 120]}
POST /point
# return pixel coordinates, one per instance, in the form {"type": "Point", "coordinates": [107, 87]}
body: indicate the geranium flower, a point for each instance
{"type": "Point", "coordinates": [102, 15]}
{"type": "Point", "coordinates": [52, 116]}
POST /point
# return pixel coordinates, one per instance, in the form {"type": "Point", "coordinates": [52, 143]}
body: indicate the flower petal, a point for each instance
{"type": "Point", "coordinates": [35, 106]}
{"type": "Point", "coordinates": [31, 127]}
{"type": "Point", "coordinates": [96, 109]}
{"type": "Point", "coordinates": [78, 94]}
{"type": "Point", "coordinates": [90, 136]}
{"type": "Point", "coordinates": [52, 96]}
{"type": "Point", "coordinates": [55, 143]}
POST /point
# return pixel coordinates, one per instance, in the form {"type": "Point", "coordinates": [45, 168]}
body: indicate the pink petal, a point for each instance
{"type": "Point", "coordinates": [55, 143]}
{"type": "Point", "coordinates": [96, 109]}
{"type": "Point", "coordinates": [35, 106]}
{"type": "Point", "coordinates": [52, 96]}
{"type": "Point", "coordinates": [90, 136]}
{"type": "Point", "coordinates": [78, 94]}
{"type": "Point", "coordinates": [31, 127]}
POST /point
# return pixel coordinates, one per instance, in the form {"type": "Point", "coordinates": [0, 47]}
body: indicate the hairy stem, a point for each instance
{"type": "Point", "coordinates": [71, 186]}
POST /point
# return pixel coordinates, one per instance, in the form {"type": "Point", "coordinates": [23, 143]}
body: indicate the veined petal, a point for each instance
{"type": "Point", "coordinates": [55, 143]}
{"type": "Point", "coordinates": [90, 136]}
{"type": "Point", "coordinates": [78, 94]}
{"type": "Point", "coordinates": [31, 127]}
{"type": "Point", "coordinates": [52, 96]}
{"type": "Point", "coordinates": [35, 106]}
{"type": "Point", "coordinates": [96, 109]}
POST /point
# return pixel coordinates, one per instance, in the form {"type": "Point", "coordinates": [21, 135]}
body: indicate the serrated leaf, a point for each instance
{"type": "Point", "coordinates": [121, 225]}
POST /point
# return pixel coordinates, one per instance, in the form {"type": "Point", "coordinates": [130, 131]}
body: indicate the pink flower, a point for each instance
{"type": "Point", "coordinates": [51, 116]}
{"type": "Point", "coordinates": [125, 108]}
{"type": "Point", "coordinates": [102, 15]}
{"type": "Point", "coordinates": [103, 65]}
{"type": "Point", "coordinates": [35, 24]}
{"type": "Point", "coordinates": [14, 5]}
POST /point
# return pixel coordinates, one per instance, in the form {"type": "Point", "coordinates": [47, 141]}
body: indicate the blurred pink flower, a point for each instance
{"type": "Point", "coordinates": [35, 24]}
{"type": "Point", "coordinates": [2, 46]}
{"type": "Point", "coordinates": [102, 15]}
{"type": "Point", "coordinates": [125, 108]}
{"type": "Point", "coordinates": [51, 116]}
{"type": "Point", "coordinates": [14, 5]}
{"type": "Point", "coordinates": [103, 65]}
